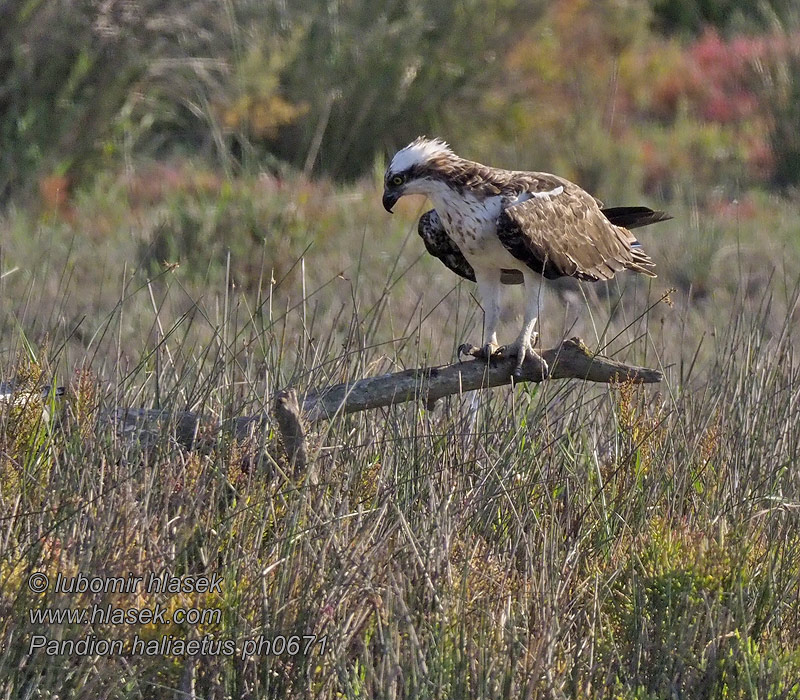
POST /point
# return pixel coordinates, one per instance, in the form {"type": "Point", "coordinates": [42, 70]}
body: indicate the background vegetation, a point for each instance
{"type": "Point", "coordinates": [191, 219]}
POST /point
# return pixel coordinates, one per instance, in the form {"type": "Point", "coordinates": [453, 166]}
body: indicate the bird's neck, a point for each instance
{"type": "Point", "coordinates": [457, 206]}
{"type": "Point", "coordinates": [445, 198]}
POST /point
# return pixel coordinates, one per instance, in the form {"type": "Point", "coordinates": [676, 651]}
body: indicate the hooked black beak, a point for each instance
{"type": "Point", "coordinates": [390, 198]}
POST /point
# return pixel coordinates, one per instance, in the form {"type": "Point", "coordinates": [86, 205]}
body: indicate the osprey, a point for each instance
{"type": "Point", "coordinates": [498, 227]}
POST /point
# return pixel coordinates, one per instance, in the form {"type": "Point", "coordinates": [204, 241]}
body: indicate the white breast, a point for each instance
{"type": "Point", "coordinates": [467, 219]}
{"type": "Point", "coordinates": [472, 224]}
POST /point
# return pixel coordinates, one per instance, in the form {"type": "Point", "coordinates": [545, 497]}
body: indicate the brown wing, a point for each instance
{"type": "Point", "coordinates": [439, 244]}
{"type": "Point", "coordinates": [566, 234]}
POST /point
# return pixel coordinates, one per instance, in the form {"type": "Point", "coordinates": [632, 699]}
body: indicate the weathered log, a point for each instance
{"type": "Point", "coordinates": [290, 425]}
{"type": "Point", "coordinates": [571, 359]}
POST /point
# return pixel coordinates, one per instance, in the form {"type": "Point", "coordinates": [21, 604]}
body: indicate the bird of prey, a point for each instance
{"type": "Point", "coordinates": [496, 227]}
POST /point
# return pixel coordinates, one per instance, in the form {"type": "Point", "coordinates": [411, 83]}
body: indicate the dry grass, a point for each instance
{"type": "Point", "coordinates": [565, 541]}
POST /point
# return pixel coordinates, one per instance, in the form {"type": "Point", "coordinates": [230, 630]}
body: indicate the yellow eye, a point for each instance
{"type": "Point", "coordinates": [397, 180]}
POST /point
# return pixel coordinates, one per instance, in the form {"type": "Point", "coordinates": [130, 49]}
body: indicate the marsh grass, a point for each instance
{"type": "Point", "coordinates": [561, 540]}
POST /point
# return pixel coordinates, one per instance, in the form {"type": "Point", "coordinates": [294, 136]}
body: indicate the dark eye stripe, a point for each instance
{"type": "Point", "coordinates": [406, 176]}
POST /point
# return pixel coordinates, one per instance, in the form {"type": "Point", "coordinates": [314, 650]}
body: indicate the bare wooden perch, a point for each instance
{"type": "Point", "coordinates": [290, 424]}
{"type": "Point", "coordinates": [571, 359]}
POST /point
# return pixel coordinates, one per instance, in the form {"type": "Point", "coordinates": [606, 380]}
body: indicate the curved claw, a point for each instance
{"type": "Point", "coordinates": [525, 352]}
{"type": "Point", "coordinates": [490, 351]}
{"type": "Point", "coordinates": [522, 353]}
{"type": "Point", "coordinates": [530, 356]}
{"type": "Point", "coordinates": [467, 349]}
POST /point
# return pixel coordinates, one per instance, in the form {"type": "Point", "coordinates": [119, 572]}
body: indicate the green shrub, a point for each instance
{"type": "Point", "coordinates": [85, 77]}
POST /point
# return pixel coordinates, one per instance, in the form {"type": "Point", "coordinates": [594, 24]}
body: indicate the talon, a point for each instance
{"type": "Point", "coordinates": [466, 349]}
{"type": "Point", "coordinates": [487, 352]}
{"type": "Point", "coordinates": [521, 355]}
{"type": "Point", "coordinates": [525, 354]}
{"type": "Point", "coordinates": [545, 370]}
{"type": "Point", "coordinates": [531, 356]}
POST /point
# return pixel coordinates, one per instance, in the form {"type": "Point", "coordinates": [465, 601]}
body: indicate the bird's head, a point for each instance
{"type": "Point", "coordinates": [413, 168]}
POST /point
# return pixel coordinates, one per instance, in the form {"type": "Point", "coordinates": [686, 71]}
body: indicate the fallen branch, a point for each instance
{"type": "Point", "coordinates": [290, 425]}
{"type": "Point", "coordinates": [570, 360]}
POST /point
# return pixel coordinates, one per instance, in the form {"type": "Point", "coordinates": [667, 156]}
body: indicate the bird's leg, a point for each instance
{"type": "Point", "coordinates": [489, 287]}
{"type": "Point", "coordinates": [523, 345]}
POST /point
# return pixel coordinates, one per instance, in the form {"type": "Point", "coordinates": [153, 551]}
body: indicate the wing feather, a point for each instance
{"type": "Point", "coordinates": [566, 234]}
{"type": "Point", "coordinates": [439, 244]}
